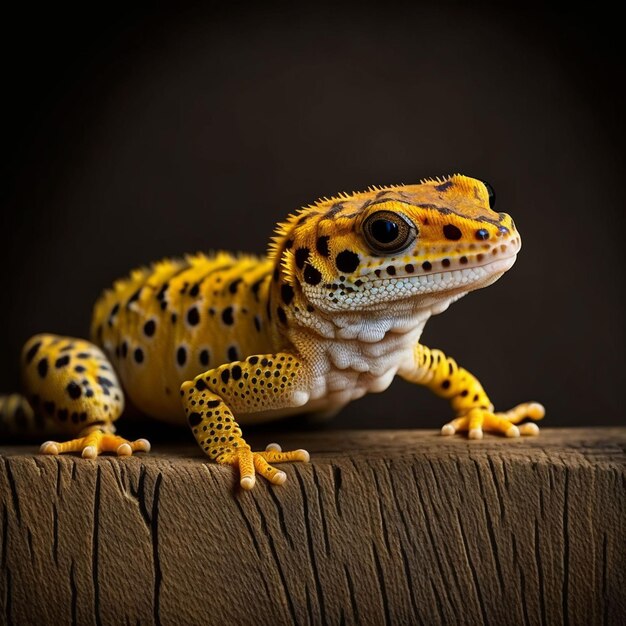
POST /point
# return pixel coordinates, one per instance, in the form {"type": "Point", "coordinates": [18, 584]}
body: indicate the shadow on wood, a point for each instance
{"type": "Point", "coordinates": [382, 527]}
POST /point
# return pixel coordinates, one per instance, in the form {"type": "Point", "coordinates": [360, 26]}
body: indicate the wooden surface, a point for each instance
{"type": "Point", "coordinates": [383, 527]}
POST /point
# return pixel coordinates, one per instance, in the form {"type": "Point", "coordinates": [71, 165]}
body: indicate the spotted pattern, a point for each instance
{"type": "Point", "coordinates": [70, 385]}
{"type": "Point", "coordinates": [260, 381]}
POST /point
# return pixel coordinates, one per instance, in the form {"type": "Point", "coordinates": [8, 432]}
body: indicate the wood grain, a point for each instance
{"type": "Point", "coordinates": [382, 527]}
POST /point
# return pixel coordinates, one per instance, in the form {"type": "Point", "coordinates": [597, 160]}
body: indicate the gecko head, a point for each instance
{"type": "Point", "coordinates": [415, 244]}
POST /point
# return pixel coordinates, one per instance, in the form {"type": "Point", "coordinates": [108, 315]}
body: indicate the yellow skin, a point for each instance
{"type": "Point", "coordinates": [334, 311]}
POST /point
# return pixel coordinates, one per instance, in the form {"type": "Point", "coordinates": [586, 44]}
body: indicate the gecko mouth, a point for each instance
{"type": "Point", "coordinates": [445, 277]}
{"type": "Point", "coordinates": [443, 280]}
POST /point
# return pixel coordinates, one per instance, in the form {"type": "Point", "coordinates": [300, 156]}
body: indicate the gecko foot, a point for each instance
{"type": "Point", "coordinates": [94, 443]}
{"type": "Point", "coordinates": [251, 463]}
{"type": "Point", "coordinates": [478, 419]}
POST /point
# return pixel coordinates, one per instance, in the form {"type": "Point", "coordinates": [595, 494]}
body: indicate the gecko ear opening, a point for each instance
{"type": "Point", "coordinates": [387, 232]}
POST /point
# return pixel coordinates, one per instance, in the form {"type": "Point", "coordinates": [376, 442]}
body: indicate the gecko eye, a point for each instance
{"type": "Point", "coordinates": [491, 192]}
{"type": "Point", "coordinates": [388, 232]}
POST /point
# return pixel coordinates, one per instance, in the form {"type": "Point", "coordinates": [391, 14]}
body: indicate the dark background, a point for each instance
{"type": "Point", "coordinates": [129, 136]}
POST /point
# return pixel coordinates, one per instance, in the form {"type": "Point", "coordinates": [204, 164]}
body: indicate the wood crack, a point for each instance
{"type": "Point", "coordinates": [354, 605]}
{"type": "Point", "coordinates": [381, 584]}
{"type": "Point", "coordinates": [311, 548]}
{"type": "Point", "coordinates": [470, 562]}
{"type": "Point", "coordinates": [13, 487]}
{"type": "Point", "coordinates": [95, 555]}
{"type": "Point", "coordinates": [566, 548]}
{"type": "Point", "coordinates": [540, 575]}
{"type": "Point", "coordinates": [154, 532]}
{"type": "Point", "coordinates": [323, 515]}
{"type": "Point", "coordinates": [279, 568]}
{"type": "Point", "coordinates": [281, 517]}
{"type": "Point", "coordinates": [74, 595]}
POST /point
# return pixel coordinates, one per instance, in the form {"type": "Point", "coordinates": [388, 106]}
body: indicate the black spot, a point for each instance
{"type": "Point", "coordinates": [62, 415]}
{"type": "Point", "coordinates": [80, 369]}
{"type": "Point", "coordinates": [311, 275]}
{"type": "Point", "coordinates": [288, 244]}
{"type": "Point", "coordinates": [232, 354]}
{"type": "Point", "coordinates": [134, 297]}
{"type": "Point", "coordinates": [236, 372]}
{"type": "Point", "coordinates": [73, 390]}
{"type": "Point", "coordinates": [174, 318]}
{"type": "Point", "coordinates": [347, 261]}
{"type": "Point", "coordinates": [450, 231]}
{"type": "Point", "coordinates": [42, 367]}
{"type": "Point", "coordinates": [104, 382]}
{"type": "Point", "coordinates": [482, 234]}
{"type": "Point", "coordinates": [286, 292]}
{"type": "Point", "coordinates": [227, 316]}
{"type": "Point", "coordinates": [181, 355]}
{"type": "Point", "coordinates": [281, 314]}
{"type": "Point", "coordinates": [204, 357]}
{"type": "Point", "coordinates": [193, 292]}
{"type": "Point", "coordinates": [113, 313]}
{"type": "Point", "coordinates": [138, 355]}
{"type": "Point", "coordinates": [255, 288]}
{"type": "Point", "coordinates": [161, 294]}
{"type": "Point", "coordinates": [253, 360]}
{"type": "Point", "coordinates": [408, 268]}
{"type": "Point", "coordinates": [149, 328]}
{"type": "Point", "coordinates": [302, 256]}
{"type": "Point", "coordinates": [233, 286]}
{"type": "Point", "coordinates": [444, 186]}
{"type": "Point", "coordinates": [391, 270]}
{"type": "Point", "coordinates": [193, 317]}
{"type": "Point", "coordinates": [257, 323]}
{"type": "Point", "coordinates": [321, 245]}
{"type": "Point", "coordinates": [124, 349]}
{"type": "Point", "coordinates": [74, 417]}
{"type": "Point", "coordinates": [463, 260]}
{"type": "Point", "coordinates": [30, 355]}
{"type": "Point", "coordinates": [212, 404]}
{"type": "Point", "coordinates": [83, 355]}
{"type": "Point", "coordinates": [200, 385]}
{"type": "Point", "coordinates": [427, 265]}
{"type": "Point", "coordinates": [62, 361]}
{"type": "Point", "coordinates": [445, 384]}
{"type": "Point", "coordinates": [275, 275]}
{"type": "Point", "coordinates": [445, 262]}
{"type": "Point", "coordinates": [49, 407]}
{"type": "Point", "coordinates": [225, 375]}
{"type": "Point", "coordinates": [194, 419]}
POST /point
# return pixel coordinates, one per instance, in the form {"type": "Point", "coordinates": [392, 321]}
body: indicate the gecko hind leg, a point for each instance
{"type": "Point", "coordinates": [95, 443]}
{"type": "Point", "coordinates": [73, 389]}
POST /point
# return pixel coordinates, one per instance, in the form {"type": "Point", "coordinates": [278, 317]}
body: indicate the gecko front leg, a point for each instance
{"type": "Point", "coordinates": [260, 383]}
{"type": "Point", "coordinates": [474, 411]}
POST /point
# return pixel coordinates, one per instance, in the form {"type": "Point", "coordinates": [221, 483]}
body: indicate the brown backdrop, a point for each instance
{"type": "Point", "coordinates": [132, 136]}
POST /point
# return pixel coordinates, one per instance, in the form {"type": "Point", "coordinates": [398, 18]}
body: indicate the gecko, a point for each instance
{"type": "Point", "coordinates": [333, 311]}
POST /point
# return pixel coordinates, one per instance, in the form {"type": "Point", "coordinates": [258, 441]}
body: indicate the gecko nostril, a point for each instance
{"type": "Point", "coordinates": [482, 234]}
